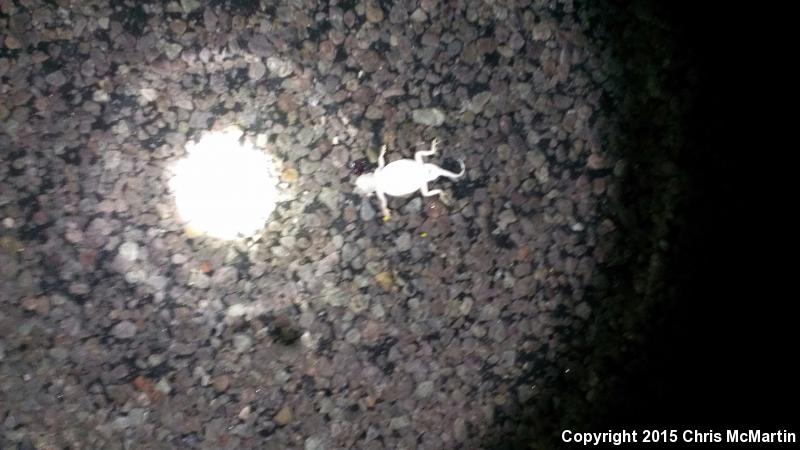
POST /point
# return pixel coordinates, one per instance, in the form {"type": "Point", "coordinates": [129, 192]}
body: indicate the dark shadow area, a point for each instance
{"type": "Point", "coordinates": [694, 329]}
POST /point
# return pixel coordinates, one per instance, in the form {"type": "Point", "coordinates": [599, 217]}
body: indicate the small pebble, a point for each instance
{"type": "Point", "coordinates": [221, 383]}
{"type": "Point", "coordinates": [242, 343]}
{"type": "Point", "coordinates": [124, 330]}
{"type": "Point", "coordinates": [284, 416]}
{"type": "Point", "coordinates": [424, 389]}
{"type": "Point", "coordinates": [385, 280]}
{"type": "Point", "coordinates": [403, 242]}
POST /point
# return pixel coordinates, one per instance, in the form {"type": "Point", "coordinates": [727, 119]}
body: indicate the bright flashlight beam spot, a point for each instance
{"type": "Point", "coordinates": [224, 188]}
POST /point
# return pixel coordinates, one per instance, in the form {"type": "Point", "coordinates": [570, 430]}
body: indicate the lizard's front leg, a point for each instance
{"type": "Point", "coordinates": [418, 155]}
{"type": "Point", "coordinates": [384, 206]}
{"type": "Point", "coordinates": [381, 159]}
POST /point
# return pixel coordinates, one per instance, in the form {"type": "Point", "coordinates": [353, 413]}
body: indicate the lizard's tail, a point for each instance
{"type": "Point", "coordinates": [453, 175]}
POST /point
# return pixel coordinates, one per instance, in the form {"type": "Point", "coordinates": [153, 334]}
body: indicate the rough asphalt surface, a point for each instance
{"type": "Point", "coordinates": [330, 329]}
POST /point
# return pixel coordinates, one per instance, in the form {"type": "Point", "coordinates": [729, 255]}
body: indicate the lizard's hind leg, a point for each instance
{"type": "Point", "coordinates": [426, 193]}
{"type": "Point", "coordinates": [418, 155]}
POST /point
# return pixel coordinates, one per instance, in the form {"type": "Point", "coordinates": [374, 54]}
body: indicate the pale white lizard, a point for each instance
{"type": "Point", "coordinates": [403, 177]}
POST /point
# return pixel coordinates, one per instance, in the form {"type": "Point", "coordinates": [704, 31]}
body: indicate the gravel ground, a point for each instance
{"type": "Point", "coordinates": [330, 329]}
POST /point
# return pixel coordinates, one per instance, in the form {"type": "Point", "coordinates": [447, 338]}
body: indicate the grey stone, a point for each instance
{"type": "Point", "coordinates": [424, 389]}
{"type": "Point", "coordinates": [353, 336]}
{"type": "Point", "coordinates": [414, 206]}
{"type": "Point", "coordinates": [179, 259]}
{"type": "Point", "coordinates": [237, 310]}
{"type": "Point", "coordinates": [506, 218]}
{"type": "Point", "coordinates": [314, 443]}
{"type": "Point", "coordinates": [129, 251]}
{"type": "Point", "coordinates": [287, 241]}
{"type": "Point", "coordinates": [419, 15]}
{"type": "Point", "coordinates": [199, 280]}
{"type": "Point", "coordinates": [242, 342]}
{"type": "Point", "coordinates": [460, 430]}
{"type": "Point", "coordinates": [158, 282]}
{"type": "Point", "coordinates": [124, 330]}
{"type": "Point", "coordinates": [466, 306]}
{"type": "Point", "coordinates": [583, 310]}
{"type": "Point", "coordinates": [490, 312]}
{"type": "Point", "coordinates": [225, 276]}
{"type": "Point", "coordinates": [479, 101]}
{"type": "Point", "coordinates": [101, 96]}
{"type": "Point", "coordinates": [189, 5]}
{"type": "Point", "coordinates": [256, 70]}
{"type": "Point", "coordinates": [403, 242]}
{"type": "Point", "coordinates": [172, 50]}
{"type": "Point", "coordinates": [374, 112]}
{"type": "Point", "coordinates": [306, 136]}
{"type": "Point", "coordinates": [148, 94]}
{"type": "Point", "coordinates": [279, 67]}
{"type": "Point", "coordinates": [56, 78]}
{"type": "Point", "coordinates": [399, 422]}
{"type": "Point", "coordinates": [330, 198]}
{"type": "Point", "coordinates": [432, 117]}
{"type": "Point", "coordinates": [306, 319]}
{"type": "Point", "coordinates": [366, 211]}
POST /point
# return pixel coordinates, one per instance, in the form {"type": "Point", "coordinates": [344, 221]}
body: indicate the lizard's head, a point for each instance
{"type": "Point", "coordinates": [365, 184]}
